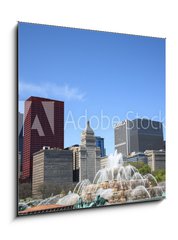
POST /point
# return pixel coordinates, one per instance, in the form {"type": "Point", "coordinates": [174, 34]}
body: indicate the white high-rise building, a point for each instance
{"type": "Point", "coordinates": [89, 155]}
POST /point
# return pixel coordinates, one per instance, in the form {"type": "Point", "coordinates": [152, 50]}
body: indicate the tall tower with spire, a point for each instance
{"type": "Point", "coordinates": [89, 155]}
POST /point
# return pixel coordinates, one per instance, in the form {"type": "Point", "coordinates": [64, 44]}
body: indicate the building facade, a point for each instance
{"type": "Point", "coordinates": [121, 138]}
{"type": "Point", "coordinates": [51, 166]}
{"type": "Point", "coordinates": [138, 135]}
{"type": "Point", "coordinates": [156, 159]}
{"type": "Point", "coordinates": [89, 155]}
{"type": "Point", "coordinates": [76, 161]}
{"type": "Point", "coordinates": [19, 165]}
{"type": "Point", "coordinates": [100, 144]}
{"type": "Point", "coordinates": [104, 162]}
{"type": "Point", "coordinates": [43, 126]}
{"type": "Point", "coordinates": [138, 157]}
{"type": "Point", "coordinates": [20, 142]}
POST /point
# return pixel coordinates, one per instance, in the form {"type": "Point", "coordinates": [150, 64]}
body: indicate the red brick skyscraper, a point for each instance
{"type": "Point", "coordinates": [43, 126]}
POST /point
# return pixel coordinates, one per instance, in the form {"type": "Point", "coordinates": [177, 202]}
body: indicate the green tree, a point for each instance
{"type": "Point", "coordinates": [25, 190]}
{"type": "Point", "coordinates": [142, 167]}
{"type": "Point", "coordinates": [48, 189]}
{"type": "Point", "coordinates": [160, 175]}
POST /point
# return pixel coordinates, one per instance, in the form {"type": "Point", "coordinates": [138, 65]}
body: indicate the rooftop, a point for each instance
{"type": "Point", "coordinates": [45, 149]}
{"type": "Point", "coordinates": [33, 98]}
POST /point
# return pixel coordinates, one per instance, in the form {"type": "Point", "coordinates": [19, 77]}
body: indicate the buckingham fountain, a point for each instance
{"type": "Point", "coordinates": [117, 183]}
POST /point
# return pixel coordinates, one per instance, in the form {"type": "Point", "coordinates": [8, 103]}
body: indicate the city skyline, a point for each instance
{"type": "Point", "coordinates": [97, 72]}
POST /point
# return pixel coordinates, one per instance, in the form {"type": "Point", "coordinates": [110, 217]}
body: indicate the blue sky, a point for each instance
{"type": "Point", "coordinates": [95, 73]}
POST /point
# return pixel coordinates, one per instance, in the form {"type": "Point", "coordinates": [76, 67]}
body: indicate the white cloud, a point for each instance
{"type": "Point", "coordinates": [50, 90]}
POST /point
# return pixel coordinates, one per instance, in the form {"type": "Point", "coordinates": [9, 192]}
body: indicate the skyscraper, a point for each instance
{"type": "Point", "coordinates": [43, 126]}
{"type": "Point", "coordinates": [138, 135]}
{"type": "Point", "coordinates": [100, 144]}
{"type": "Point", "coordinates": [89, 155]}
{"type": "Point", "coordinates": [20, 141]}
